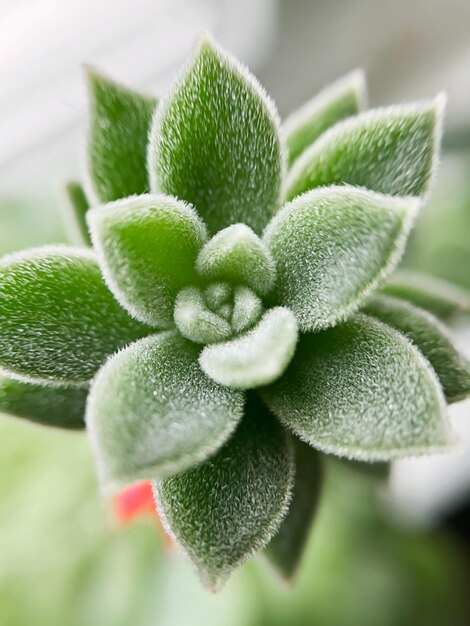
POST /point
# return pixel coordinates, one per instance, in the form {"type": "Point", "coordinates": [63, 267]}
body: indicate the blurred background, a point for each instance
{"type": "Point", "coordinates": [393, 555]}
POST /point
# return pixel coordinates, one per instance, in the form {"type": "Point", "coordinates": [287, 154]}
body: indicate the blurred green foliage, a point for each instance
{"type": "Point", "coordinates": [440, 243]}
{"type": "Point", "coordinates": [29, 221]}
{"type": "Point", "coordinates": [63, 562]}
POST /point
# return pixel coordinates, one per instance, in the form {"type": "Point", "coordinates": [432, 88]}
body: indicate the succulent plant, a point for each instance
{"type": "Point", "coordinates": [231, 322]}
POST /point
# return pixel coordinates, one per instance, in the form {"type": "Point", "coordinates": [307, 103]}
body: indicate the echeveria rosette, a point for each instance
{"type": "Point", "coordinates": [229, 321]}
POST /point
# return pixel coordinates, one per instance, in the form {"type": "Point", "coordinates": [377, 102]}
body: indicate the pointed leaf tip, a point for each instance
{"type": "Point", "coordinates": [333, 247]}
{"type": "Point", "coordinates": [118, 130]}
{"type": "Point", "coordinates": [153, 412]}
{"type": "Point", "coordinates": [363, 391]}
{"type": "Point", "coordinates": [218, 124]}
{"type": "Point", "coordinates": [393, 150]}
{"type": "Point", "coordinates": [223, 511]}
{"type": "Point", "coordinates": [344, 98]}
{"type": "Point", "coordinates": [431, 337]}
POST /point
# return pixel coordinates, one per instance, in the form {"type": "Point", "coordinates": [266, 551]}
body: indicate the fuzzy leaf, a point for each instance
{"type": "Point", "coordinates": [256, 358]}
{"type": "Point", "coordinates": [363, 391]}
{"type": "Point", "coordinates": [286, 548]}
{"type": "Point", "coordinates": [223, 511]}
{"type": "Point", "coordinates": [147, 246]}
{"type": "Point", "coordinates": [432, 339]}
{"type": "Point", "coordinates": [77, 205]}
{"type": "Point", "coordinates": [196, 322]}
{"type": "Point", "coordinates": [333, 247]}
{"type": "Point", "coordinates": [152, 411]}
{"type": "Point", "coordinates": [237, 255]}
{"type": "Point", "coordinates": [215, 143]}
{"type": "Point", "coordinates": [58, 320]}
{"type": "Point", "coordinates": [342, 99]}
{"type": "Point", "coordinates": [63, 407]}
{"type": "Point", "coordinates": [117, 139]}
{"type": "Point", "coordinates": [247, 309]}
{"type": "Point", "coordinates": [441, 298]}
{"type": "Point", "coordinates": [217, 295]}
{"type": "Point", "coordinates": [391, 150]}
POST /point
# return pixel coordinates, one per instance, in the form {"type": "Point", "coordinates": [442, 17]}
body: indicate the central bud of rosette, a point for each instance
{"type": "Point", "coordinates": [217, 312]}
{"type": "Point", "coordinates": [233, 272]}
{"type": "Point", "coordinates": [227, 307]}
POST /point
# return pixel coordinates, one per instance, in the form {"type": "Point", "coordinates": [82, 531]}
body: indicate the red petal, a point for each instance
{"type": "Point", "coordinates": [134, 502]}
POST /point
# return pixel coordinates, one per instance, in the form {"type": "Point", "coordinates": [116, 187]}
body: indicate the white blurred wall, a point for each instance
{"type": "Point", "coordinates": [410, 48]}
{"type": "Point", "coordinates": [142, 42]}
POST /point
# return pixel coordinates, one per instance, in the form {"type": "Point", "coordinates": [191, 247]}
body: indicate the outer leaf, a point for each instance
{"type": "Point", "coordinates": [433, 340]}
{"type": "Point", "coordinates": [215, 143]}
{"type": "Point", "coordinates": [333, 247]}
{"type": "Point", "coordinates": [256, 358]}
{"type": "Point", "coordinates": [152, 411]}
{"type": "Point", "coordinates": [237, 255]}
{"type": "Point", "coordinates": [363, 391]}
{"type": "Point", "coordinates": [344, 98]}
{"type": "Point", "coordinates": [77, 206]}
{"type": "Point", "coordinates": [58, 321]}
{"type": "Point", "coordinates": [441, 298]}
{"type": "Point", "coordinates": [117, 139]}
{"type": "Point", "coordinates": [391, 150]}
{"type": "Point", "coordinates": [286, 548]}
{"type": "Point", "coordinates": [225, 510]}
{"type": "Point", "coordinates": [63, 407]}
{"type": "Point", "coordinates": [147, 246]}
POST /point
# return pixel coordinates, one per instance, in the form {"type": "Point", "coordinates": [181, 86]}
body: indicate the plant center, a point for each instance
{"type": "Point", "coordinates": [216, 313]}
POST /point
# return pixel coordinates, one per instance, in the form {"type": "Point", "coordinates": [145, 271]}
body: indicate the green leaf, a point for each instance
{"type": "Point", "coordinates": [237, 255]}
{"type": "Point", "coordinates": [217, 295]}
{"type": "Point", "coordinates": [363, 391]}
{"type": "Point", "coordinates": [286, 548]}
{"type": "Point", "coordinates": [432, 339]}
{"type": "Point", "coordinates": [63, 407]}
{"type": "Point", "coordinates": [333, 247]}
{"type": "Point", "coordinates": [117, 139]}
{"type": "Point", "coordinates": [256, 358]}
{"type": "Point", "coordinates": [215, 143]}
{"type": "Point", "coordinates": [76, 207]}
{"type": "Point", "coordinates": [196, 322]}
{"type": "Point", "coordinates": [443, 299]}
{"type": "Point", "coordinates": [147, 246]}
{"type": "Point", "coordinates": [223, 511]}
{"type": "Point", "coordinates": [342, 99]}
{"type": "Point", "coordinates": [247, 309]}
{"type": "Point", "coordinates": [58, 320]}
{"type": "Point", "coordinates": [391, 150]}
{"type": "Point", "coordinates": [152, 411]}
